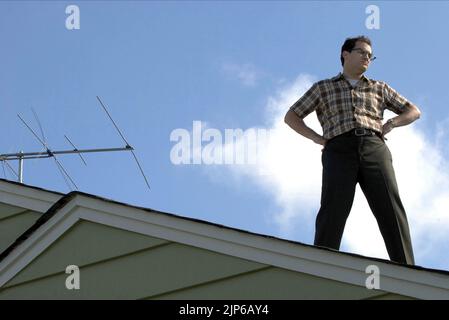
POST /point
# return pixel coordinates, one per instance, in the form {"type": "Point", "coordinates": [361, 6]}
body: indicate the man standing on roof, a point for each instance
{"type": "Point", "coordinates": [350, 110]}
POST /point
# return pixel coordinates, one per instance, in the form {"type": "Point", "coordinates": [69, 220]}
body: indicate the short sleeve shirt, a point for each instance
{"type": "Point", "coordinates": [341, 107]}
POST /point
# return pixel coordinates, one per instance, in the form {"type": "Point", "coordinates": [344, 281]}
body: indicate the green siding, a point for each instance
{"type": "Point", "coordinates": [118, 264]}
{"type": "Point", "coordinates": [272, 283]}
{"type": "Point", "coordinates": [6, 210]}
{"type": "Point", "coordinates": [13, 225]}
{"type": "Point", "coordinates": [391, 296]}
{"type": "Point", "coordinates": [145, 273]}
{"type": "Point", "coordinates": [85, 243]}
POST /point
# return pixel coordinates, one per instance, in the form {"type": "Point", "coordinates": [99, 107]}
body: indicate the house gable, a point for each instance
{"type": "Point", "coordinates": [260, 253]}
{"type": "Point", "coordinates": [118, 264]}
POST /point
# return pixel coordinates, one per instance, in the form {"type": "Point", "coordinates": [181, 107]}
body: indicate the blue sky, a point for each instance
{"type": "Point", "coordinates": [159, 66]}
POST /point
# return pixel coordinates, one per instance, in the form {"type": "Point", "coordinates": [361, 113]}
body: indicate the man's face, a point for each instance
{"type": "Point", "coordinates": [358, 59]}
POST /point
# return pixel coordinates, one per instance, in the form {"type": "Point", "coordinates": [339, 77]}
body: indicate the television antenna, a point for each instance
{"type": "Point", "coordinates": [49, 153]}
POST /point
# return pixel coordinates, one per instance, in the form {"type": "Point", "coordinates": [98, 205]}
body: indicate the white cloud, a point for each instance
{"type": "Point", "coordinates": [245, 73]}
{"type": "Point", "coordinates": [289, 169]}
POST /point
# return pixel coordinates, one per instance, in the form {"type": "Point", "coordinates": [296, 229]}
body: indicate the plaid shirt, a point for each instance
{"type": "Point", "coordinates": [341, 108]}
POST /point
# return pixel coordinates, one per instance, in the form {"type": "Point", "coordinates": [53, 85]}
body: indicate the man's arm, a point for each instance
{"type": "Point", "coordinates": [297, 124]}
{"type": "Point", "coordinates": [410, 114]}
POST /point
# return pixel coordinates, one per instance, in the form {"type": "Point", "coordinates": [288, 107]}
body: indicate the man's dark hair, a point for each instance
{"type": "Point", "coordinates": [350, 44]}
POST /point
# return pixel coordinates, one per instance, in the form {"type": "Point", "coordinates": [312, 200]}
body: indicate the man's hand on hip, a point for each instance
{"type": "Point", "coordinates": [321, 141]}
{"type": "Point", "coordinates": [387, 127]}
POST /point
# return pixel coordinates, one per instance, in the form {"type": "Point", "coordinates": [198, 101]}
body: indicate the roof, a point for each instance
{"type": "Point", "coordinates": [26, 196]}
{"type": "Point", "coordinates": [67, 210]}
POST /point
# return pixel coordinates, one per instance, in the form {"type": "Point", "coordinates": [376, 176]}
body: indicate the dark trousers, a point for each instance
{"type": "Point", "coordinates": [348, 159]}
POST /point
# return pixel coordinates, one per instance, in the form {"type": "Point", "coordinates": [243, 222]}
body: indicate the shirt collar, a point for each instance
{"type": "Point", "coordinates": [340, 76]}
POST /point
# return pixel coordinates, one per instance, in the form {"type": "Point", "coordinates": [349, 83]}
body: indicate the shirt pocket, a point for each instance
{"type": "Point", "coordinates": [372, 107]}
{"type": "Point", "coordinates": [334, 105]}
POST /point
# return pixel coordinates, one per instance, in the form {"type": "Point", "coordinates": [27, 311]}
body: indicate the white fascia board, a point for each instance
{"type": "Point", "coordinates": [345, 268]}
{"type": "Point", "coordinates": [27, 197]}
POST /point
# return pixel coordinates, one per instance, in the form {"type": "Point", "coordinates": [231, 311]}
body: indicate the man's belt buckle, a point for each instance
{"type": "Point", "coordinates": [360, 132]}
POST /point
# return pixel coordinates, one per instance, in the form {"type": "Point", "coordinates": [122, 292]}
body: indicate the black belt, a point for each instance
{"type": "Point", "coordinates": [361, 132]}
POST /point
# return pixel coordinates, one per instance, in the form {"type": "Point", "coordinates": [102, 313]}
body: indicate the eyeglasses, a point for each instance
{"type": "Point", "coordinates": [364, 53]}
